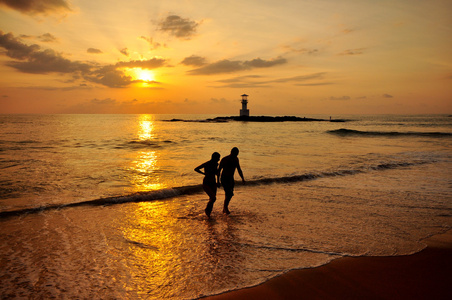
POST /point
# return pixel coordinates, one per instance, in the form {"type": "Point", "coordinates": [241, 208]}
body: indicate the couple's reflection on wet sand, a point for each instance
{"type": "Point", "coordinates": [223, 250]}
{"type": "Point", "coordinates": [166, 241]}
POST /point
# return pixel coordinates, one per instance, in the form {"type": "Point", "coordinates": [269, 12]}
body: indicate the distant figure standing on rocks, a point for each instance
{"type": "Point", "coordinates": [211, 180]}
{"type": "Point", "coordinates": [227, 169]}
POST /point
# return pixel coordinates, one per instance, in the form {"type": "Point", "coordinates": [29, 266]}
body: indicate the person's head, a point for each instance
{"type": "Point", "coordinates": [215, 156]}
{"type": "Point", "coordinates": [235, 151]}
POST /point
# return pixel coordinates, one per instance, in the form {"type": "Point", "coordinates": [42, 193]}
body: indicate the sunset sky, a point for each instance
{"type": "Point", "coordinates": [291, 57]}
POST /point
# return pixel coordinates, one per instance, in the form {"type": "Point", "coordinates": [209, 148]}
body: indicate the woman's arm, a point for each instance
{"type": "Point", "coordinates": [198, 169]}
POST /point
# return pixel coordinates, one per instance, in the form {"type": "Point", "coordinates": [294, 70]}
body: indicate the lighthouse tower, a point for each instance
{"type": "Point", "coordinates": [244, 112]}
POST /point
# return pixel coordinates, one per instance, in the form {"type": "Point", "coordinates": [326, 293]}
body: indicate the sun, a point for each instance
{"type": "Point", "coordinates": [143, 75]}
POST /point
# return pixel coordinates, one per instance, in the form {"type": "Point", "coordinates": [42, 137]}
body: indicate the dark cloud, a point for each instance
{"type": "Point", "coordinates": [33, 7]}
{"type": "Point", "coordinates": [178, 27]}
{"type": "Point", "coordinates": [94, 51]}
{"type": "Point", "coordinates": [194, 60]}
{"type": "Point", "coordinates": [343, 98]}
{"type": "Point", "coordinates": [15, 48]}
{"type": "Point", "coordinates": [113, 76]}
{"type": "Point", "coordinates": [47, 38]}
{"type": "Point", "coordinates": [109, 76]}
{"type": "Point", "coordinates": [228, 66]}
{"type": "Point", "coordinates": [387, 96]}
{"type": "Point", "coordinates": [240, 79]}
{"type": "Point", "coordinates": [302, 78]}
{"type": "Point", "coordinates": [32, 59]}
{"type": "Point", "coordinates": [308, 51]}
{"type": "Point", "coordinates": [259, 81]}
{"type": "Point", "coordinates": [154, 45]}
{"type": "Point", "coordinates": [152, 63]}
{"type": "Point", "coordinates": [47, 61]}
{"type": "Point", "coordinates": [222, 66]}
{"type": "Point", "coordinates": [260, 63]}
{"type": "Point", "coordinates": [357, 51]}
{"type": "Point", "coordinates": [124, 51]}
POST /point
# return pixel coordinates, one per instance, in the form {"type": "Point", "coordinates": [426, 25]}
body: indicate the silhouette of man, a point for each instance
{"type": "Point", "coordinates": [227, 169]}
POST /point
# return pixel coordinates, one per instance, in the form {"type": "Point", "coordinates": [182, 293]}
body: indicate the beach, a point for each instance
{"type": "Point", "coordinates": [110, 207]}
{"type": "Point", "coordinates": [423, 275]}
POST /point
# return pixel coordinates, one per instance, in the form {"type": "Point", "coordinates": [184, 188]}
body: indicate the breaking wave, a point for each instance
{"type": "Point", "coordinates": [351, 132]}
{"type": "Point", "coordinates": [196, 189]}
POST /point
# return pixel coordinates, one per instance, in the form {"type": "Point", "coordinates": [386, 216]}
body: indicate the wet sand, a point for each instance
{"type": "Point", "coordinates": [424, 275]}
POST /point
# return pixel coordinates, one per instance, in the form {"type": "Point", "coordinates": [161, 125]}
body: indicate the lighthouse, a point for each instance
{"type": "Point", "coordinates": [244, 112]}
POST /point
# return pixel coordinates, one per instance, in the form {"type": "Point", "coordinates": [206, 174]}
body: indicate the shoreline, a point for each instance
{"type": "Point", "coordinates": [423, 275]}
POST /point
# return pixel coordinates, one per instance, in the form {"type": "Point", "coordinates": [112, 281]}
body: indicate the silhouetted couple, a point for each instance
{"type": "Point", "coordinates": [224, 174]}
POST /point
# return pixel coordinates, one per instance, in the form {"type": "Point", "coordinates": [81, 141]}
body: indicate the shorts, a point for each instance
{"type": "Point", "coordinates": [228, 186]}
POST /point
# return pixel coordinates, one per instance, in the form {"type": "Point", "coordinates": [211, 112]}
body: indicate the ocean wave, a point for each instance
{"type": "Point", "coordinates": [351, 132]}
{"type": "Point", "coordinates": [196, 189]}
{"type": "Point", "coordinates": [143, 144]}
{"type": "Point", "coordinates": [288, 249]}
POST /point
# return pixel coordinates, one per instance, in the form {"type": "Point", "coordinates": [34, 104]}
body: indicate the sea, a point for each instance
{"type": "Point", "coordinates": [110, 207]}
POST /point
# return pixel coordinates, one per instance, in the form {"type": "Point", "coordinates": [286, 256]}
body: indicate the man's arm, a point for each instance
{"type": "Point", "coordinates": [239, 170]}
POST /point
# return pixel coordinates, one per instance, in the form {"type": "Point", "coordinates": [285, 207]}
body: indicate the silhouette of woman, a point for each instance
{"type": "Point", "coordinates": [211, 180]}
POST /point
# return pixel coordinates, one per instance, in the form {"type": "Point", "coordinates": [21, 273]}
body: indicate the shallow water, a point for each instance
{"type": "Point", "coordinates": [313, 195]}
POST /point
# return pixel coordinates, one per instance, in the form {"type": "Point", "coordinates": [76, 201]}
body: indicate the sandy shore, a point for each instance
{"type": "Point", "coordinates": [424, 275]}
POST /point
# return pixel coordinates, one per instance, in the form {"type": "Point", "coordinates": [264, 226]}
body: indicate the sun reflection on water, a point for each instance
{"type": "Point", "coordinates": [146, 127]}
{"type": "Point", "coordinates": [148, 246]}
{"type": "Point", "coordinates": [145, 167]}
{"type": "Point", "coordinates": [173, 251]}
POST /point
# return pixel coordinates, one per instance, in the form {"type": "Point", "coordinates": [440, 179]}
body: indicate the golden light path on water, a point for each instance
{"type": "Point", "coordinates": [147, 228]}
{"type": "Point", "coordinates": [165, 241]}
{"type": "Point", "coordinates": [148, 248]}
{"type": "Point", "coordinates": [146, 164]}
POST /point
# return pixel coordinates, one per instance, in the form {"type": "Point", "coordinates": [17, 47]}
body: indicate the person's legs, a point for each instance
{"type": "Point", "coordinates": [228, 186]}
{"type": "Point", "coordinates": [211, 191]}
{"type": "Point", "coordinates": [227, 199]}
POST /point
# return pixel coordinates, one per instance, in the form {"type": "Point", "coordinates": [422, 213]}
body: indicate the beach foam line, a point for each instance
{"type": "Point", "coordinates": [197, 189]}
{"type": "Point", "coordinates": [136, 197]}
{"type": "Point", "coordinates": [270, 247]}
{"type": "Point", "coordinates": [351, 132]}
